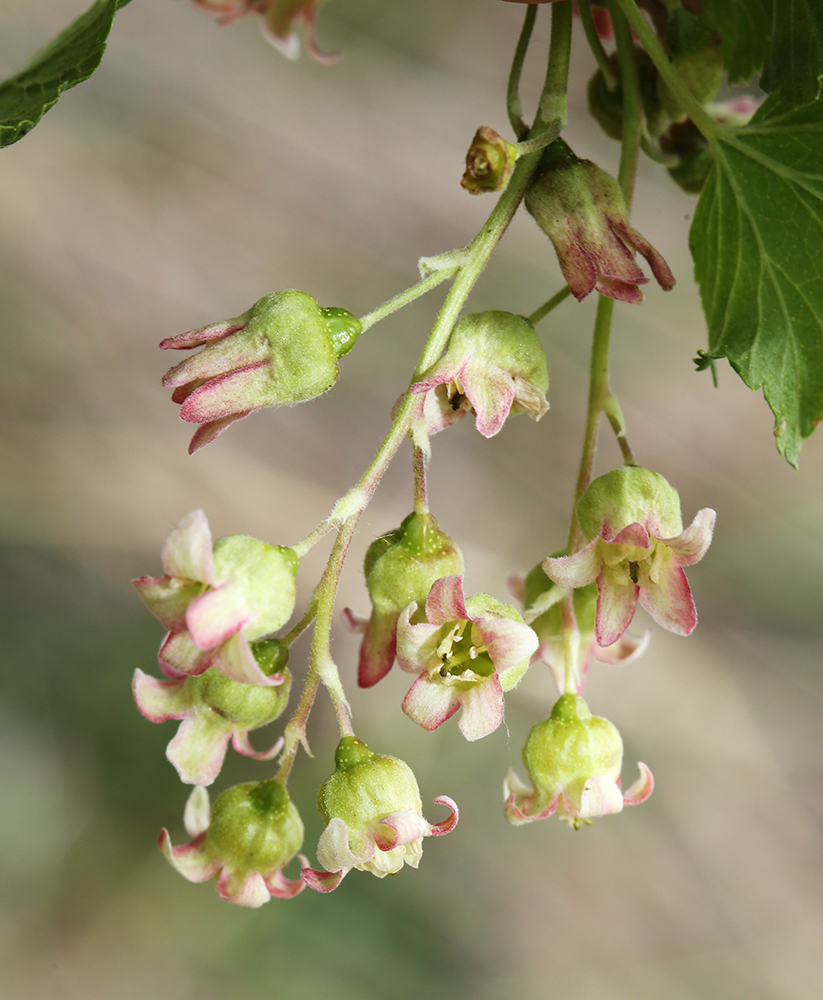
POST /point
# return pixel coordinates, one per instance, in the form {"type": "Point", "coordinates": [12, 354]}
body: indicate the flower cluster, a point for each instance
{"type": "Point", "coordinates": [283, 22]}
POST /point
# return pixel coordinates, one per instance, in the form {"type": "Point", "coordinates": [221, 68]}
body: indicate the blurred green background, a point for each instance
{"type": "Point", "coordinates": [196, 172]}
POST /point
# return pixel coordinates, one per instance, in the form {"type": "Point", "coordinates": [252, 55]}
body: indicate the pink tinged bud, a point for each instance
{"type": "Point", "coordinates": [213, 711]}
{"type": "Point", "coordinates": [636, 552]}
{"type": "Point", "coordinates": [374, 820]}
{"type": "Point", "coordinates": [282, 351]}
{"type": "Point", "coordinates": [467, 654]}
{"type": "Point", "coordinates": [582, 211]}
{"type": "Point", "coordinates": [253, 831]}
{"type": "Point", "coordinates": [495, 361]}
{"type": "Point", "coordinates": [240, 589]}
{"type": "Point", "coordinates": [574, 761]}
{"type": "Point", "coordinates": [400, 568]}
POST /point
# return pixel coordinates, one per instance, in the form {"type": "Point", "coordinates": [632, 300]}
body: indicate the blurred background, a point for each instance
{"type": "Point", "coordinates": [194, 173]}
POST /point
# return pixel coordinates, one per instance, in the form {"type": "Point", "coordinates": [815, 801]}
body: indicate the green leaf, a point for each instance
{"type": "Point", "coordinates": [744, 27]}
{"type": "Point", "coordinates": [794, 63]}
{"type": "Point", "coordinates": [756, 240]}
{"type": "Point", "coordinates": [68, 59]}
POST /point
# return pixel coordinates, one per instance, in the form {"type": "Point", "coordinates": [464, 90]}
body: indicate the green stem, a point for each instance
{"type": "Point", "coordinates": [513, 105]}
{"type": "Point", "coordinates": [552, 303]}
{"type": "Point", "coordinates": [599, 391]}
{"type": "Point", "coordinates": [659, 57]}
{"type": "Point", "coordinates": [633, 116]}
{"type": "Point", "coordinates": [404, 298]}
{"type": "Point", "coordinates": [599, 53]}
{"type": "Point", "coordinates": [349, 508]}
{"type": "Point", "coordinates": [421, 503]}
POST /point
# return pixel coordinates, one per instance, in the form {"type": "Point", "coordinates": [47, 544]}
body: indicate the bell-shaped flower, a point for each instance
{"type": "Point", "coordinates": [284, 22]}
{"type": "Point", "coordinates": [636, 550]}
{"type": "Point", "coordinates": [493, 364]}
{"type": "Point", "coordinates": [214, 710]}
{"type": "Point", "coordinates": [400, 567]}
{"type": "Point", "coordinates": [215, 599]}
{"type": "Point", "coordinates": [582, 211]}
{"type": "Point", "coordinates": [284, 350]}
{"type": "Point", "coordinates": [374, 817]}
{"type": "Point", "coordinates": [467, 654]}
{"type": "Point", "coordinates": [574, 760]}
{"type": "Point", "coordinates": [245, 841]}
{"type": "Point", "coordinates": [541, 600]}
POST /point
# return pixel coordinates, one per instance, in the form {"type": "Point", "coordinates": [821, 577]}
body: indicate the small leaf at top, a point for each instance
{"type": "Point", "coordinates": [68, 59]}
{"type": "Point", "coordinates": [794, 63]}
{"type": "Point", "coordinates": [756, 239]}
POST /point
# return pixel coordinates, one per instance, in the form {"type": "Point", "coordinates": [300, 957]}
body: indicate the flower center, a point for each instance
{"type": "Point", "coordinates": [461, 650]}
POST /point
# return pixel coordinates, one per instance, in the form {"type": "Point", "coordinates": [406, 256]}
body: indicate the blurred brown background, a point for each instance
{"type": "Point", "coordinates": [196, 172]}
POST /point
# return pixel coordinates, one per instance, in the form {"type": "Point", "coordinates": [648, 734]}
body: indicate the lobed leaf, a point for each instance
{"type": "Point", "coordinates": [794, 63]}
{"type": "Point", "coordinates": [68, 59]}
{"type": "Point", "coordinates": [756, 239]}
{"type": "Point", "coordinates": [744, 27]}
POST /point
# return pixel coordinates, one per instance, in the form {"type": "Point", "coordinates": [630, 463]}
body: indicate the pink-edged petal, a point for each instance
{"type": "Point", "coordinates": [217, 615]}
{"type": "Point", "coordinates": [417, 644]}
{"type": "Point", "coordinates": [627, 649]}
{"type": "Point", "coordinates": [621, 291]}
{"type": "Point", "coordinates": [575, 571]}
{"type": "Point", "coordinates": [446, 825]}
{"type": "Point", "coordinates": [595, 797]}
{"type": "Point", "coordinates": [641, 789]}
{"type": "Point", "coordinates": [446, 602]}
{"type": "Point", "coordinates": [509, 643]}
{"type": "Point", "coordinates": [212, 429]}
{"type": "Point", "coordinates": [202, 335]}
{"type": "Point", "coordinates": [482, 708]}
{"type": "Point", "coordinates": [167, 597]}
{"type": "Point", "coordinates": [669, 601]}
{"type": "Point", "coordinates": [400, 828]}
{"type": "Point", "coordinates": [178, 655]}
{"type": "Point", "coordinates": [439, 412]}
{"type": "Point", "coordinates": [333, 850]}
{"type": "Point", "coordinates": [516, 585]}
{"type": "Point", "coordinates": [690, 547]}
{"type": "Point", "coordinates": [235, 659]}
{"type": "Point", "coordinates": [240, 742]}
{"type": "Point", "coordinates": [187, 551]}
{"type": "Point", "coordinates": [227, 394]}
{"type": "Point", "coordinates": [354, 623]}
{"type": "Point", "coordinates": [491, 398]}
{"type": "Point", "coordinates": [430, 703]}
{"type": "Point", "coordinates": [197, 814]}
{"type": "Point", "coordinates": [322, 881]}
{"type": "Point", "coordinates": [286, 888]}
{"type": "Point", "coordinates": [660, 269]}
{"type": "Point", "coordinates": [577, 266]}
{"type": "Point", "coordinates": [633, 534]}
{"type": "Point", "coordinates": [249, 890]}
{"type": "Point", "coordinates": [159, 701]}
{"type": "Point", "coordinates": [199, 747]}
{"type": "Point", "coordinates": [217, 359]}
{"type": "Point", "coordinates": [191, 860]}
{"type": "Point", "coordinates": [378, 648]}
{"type": "Point", "coordinates": [519, 802]}
{"type": "Point", "coordinates": [616, 604]}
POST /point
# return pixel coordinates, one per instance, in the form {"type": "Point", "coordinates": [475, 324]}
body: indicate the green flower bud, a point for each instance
{"type": "Point", "coordinates": [630, 495]}
{"type": "Point", "coordinates": [253, 831]}
{"type": "Point", "coordinates": [606, 106]}
{"type": "Point", "coordinates": [282, 351]}
{"type": "Point", "coordinates": [695, 56]}
{"type": "Point", "coordinates": [400, 567]}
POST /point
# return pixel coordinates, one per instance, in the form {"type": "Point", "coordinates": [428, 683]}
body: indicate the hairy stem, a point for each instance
{"type": "Point", "coordinates": [547, 306]}
{"type": "Point", "coordinates": [599, 53]}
